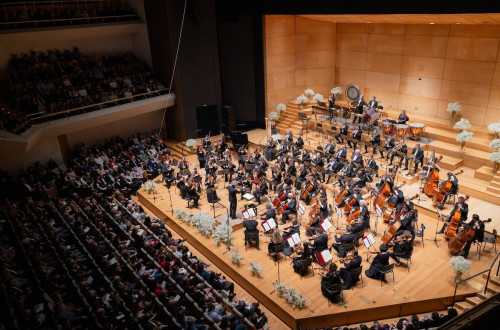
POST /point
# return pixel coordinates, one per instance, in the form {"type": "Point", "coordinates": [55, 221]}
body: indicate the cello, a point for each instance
{"type": "Point", "coordinates": [385, 190]}
{"type": "Point", "coordinates": [457, 242]}
{"type": "Point", "coordinates": [278, 199]}
{"type": "Point", "coordinates": [454, 220]}
{"type": "Point", "coordinates": [353, 216]}
{"type": "Point", "coordinates": [305, 192]}
{"type": "Point", "coordinates": [338, 199]}
{"type": "Point", "coordinates": [390, 207]}
{"type": "Point", "coordinates": [444, 188]}
{"type": "Point", "coordinates": [432, 180]}
{"type": "Point", "coordinates": [392, 229]}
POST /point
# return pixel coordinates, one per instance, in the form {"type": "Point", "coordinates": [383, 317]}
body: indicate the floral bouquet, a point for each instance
{"type": "Point", "coordinates": [273, 115]}
{"type": "Point", "coordinates": [255, 268]}
{"type": "Point", "coordinates": [495, 128]}
{"type": "Point", "coordinates": [463, 124]}
{"type": "Point", "coordinates": [302, 99]}
{"type": "Point", "coordinates": [180, 214]}
{"type": "Point", "coordinates": [235, 257]}
{"type": "Point", "coordinates": [280, 288]}
{"type": "Point", "coordinates": [463, 137]}
{"type": "Point", "coordinates": [191, 143]}
{"type": "Point", "coordinates": [309, 93]}
{"type": "Point", "coordinates": [461, 266]}
{"type": "Point", "coordinates": [281, 108]}
{"type": "Point", "coordinates": [336, 90]}
{"type": "Point", "coordinates": [149, 186]}
{"type": "Point", "coordinates": [495, 158]}
{"type": "Point", "coordinates": [318, 98]}
{"type": "Point", "coordinates": [276, 137]}
{"type": "Point", "coordinates": [204, 222]}
{"type": "Point", "coordinates": [453, 108]}
{"type": "Point", "coordinates": [222, 234]}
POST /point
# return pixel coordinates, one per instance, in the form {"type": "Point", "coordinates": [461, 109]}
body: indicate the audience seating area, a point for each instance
{"type": "Point", "coordinates": [59, 81]}
{"type": "Point", "coordinates": [77, 250]}
{"type": "Point", "coordinates": [37, 14]}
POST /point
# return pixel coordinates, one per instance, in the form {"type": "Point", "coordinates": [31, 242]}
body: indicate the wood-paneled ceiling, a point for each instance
{"type": "Point", "coordinates": [475, 19]}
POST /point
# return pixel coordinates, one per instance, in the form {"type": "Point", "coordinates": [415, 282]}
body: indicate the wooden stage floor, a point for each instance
{"type": "Point", "coordinates": [427, 286]}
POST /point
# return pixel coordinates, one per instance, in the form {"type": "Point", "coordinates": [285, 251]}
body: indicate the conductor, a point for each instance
{"type": "Point", "coordinates": [233, 201]}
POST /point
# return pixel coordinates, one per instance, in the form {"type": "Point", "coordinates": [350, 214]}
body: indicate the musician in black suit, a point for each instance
{"type": "Point", "coordinates": [371, 164]}
{"type": "Point", "coordinates": [389, 144]}
{"type": "Point", "coordinates": [356, 137]}
{"type": "Point", "coordinates": [374, 139]}
{"type": "Point", "coordinates": [364, 213]}
{"type": "Point", "coordinates": [478, 226]}
{"type": "Point", "coordinates": [408, 204]}
{"type": "Point", "coordinates": [329, 280]}
{"type": "Point", "coordinates": [320, 243]}
{"type": "Point", "coordinates": [261, 190]}
{"type": "Point", "coordinates": [300, 142]}
{"type": "Point", "coordinates": [403, 118]}
{"type": "Point", "coordinates": [453, 190]}
{"type": "Point", "coordinates": [250, 227]}
{"type": "Point", "coordinates": [282, 148]}
{"type": "Point", "coordinates": [406, 219]}
{"type": "Point", "coordinates": [191, 193]}
{"type": "Point", "coordinates": [347, 272]}
{"type": "Point", "coordinates": [331, 101]}
{"type": "Point", "coordinates": [399, 151]}
{"type": "Point", "coordinates": [206, 142]}
{"type": "Point", "coordinates": [291, 208]}
{"type": "Point", "coordinates": [233, 201]}
{"type": "Point", "coordinates": [359, 108]}
{"type": "Point", "coordinates": [373, 103]}
{"type": "Point", "coordinates": [344, 130]}
{"type": "Point", "coordinates": [330, 148]}
{"type": "Point", "coordinates": [417, 155]}
{"type": "Point", "coordinates": [341, 241]}
{"type": "Point", "coordinates": [379, 262]}
{"type": "Point", "coordinates": [270, 214]}
{"type": "Point", "coordinates": [341, 153]}
{"type": "Point", "coordinates": [461, 206]}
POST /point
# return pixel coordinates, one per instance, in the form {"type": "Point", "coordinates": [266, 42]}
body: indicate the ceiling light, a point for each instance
{"type": "Point", "coordinates": [486, 22]}
{"type": "Point", "coordinates": [432, 23]}
{"type": "Point", "coordinates": [368, 22]}
{"type": "Point", "coordinates": [458, 22]}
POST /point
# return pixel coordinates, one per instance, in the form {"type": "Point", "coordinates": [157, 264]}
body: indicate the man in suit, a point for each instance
{"type": "Point", "coordinates": [261, 190]}
{"type": "Point", "coordinates": [233, 201]}
{"type": "Point", "coordinates": [330, 148]}
{"type": "Point", "coordinates": [320, 243]}
{"type": "Point", "coordinates": [250, 228]}
{"type": "Point", "coordinates": [453, 190]}
{"type": "Point", "coordinates": [478, 226]}
{"type": "Point", "coordinates": [359, 108]}
{"type": "Point", "coordinates": [341, 241]}
{"type": "Point", "coordinates": [461, 206]}
{"type": "Point", "coordinates": [373, 104]}
{"type": "Point", "coordinates": [389, 144]}
{"type": "Point", "coordinates": [300, 142]}
{"type": "Point", "coordinates": [270, 214]}
{"type": "Point", "coordinates": [371, 164]}
{"type": "Point", "coordinates": [347, 272]}
{"type": "Point", "coordinates": [364, 213]}
{"type": "Point", "coordinates": [400, 151]}
{"type": "Point", "coordinates": [417, 155]}
{"type": "Point", "coordinates": [406, 219]}
{"type": "Point", "coordinates": [291, 209]}
{"type": "Point", "coordinates": [356, 137]}
{"type": "Point", "coordinates": [379, 262]}
{"type": "Point", "coordinates": [403, 118]}
{"type": "Point", "coordinates": [344, 129]}
{"type": "Point", "coordinates": [374, 139]}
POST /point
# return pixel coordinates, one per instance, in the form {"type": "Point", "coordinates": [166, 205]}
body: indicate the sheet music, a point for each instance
{"type": "Point", "coordinates": [268, 224]}
{"type": "Point", "coordinates": [326, 224]}
{"type": "Point", "coordinates": [339, 212]}
{"type": "Point", "coordinates": [368, 240]}
{"type": "Point", "coordinates": [248, 196]}
{"type": "Point", "coordinates": [293, 239]}
{"type": "Point", "coordinates": [378, 210]}
{"type": "Point", "coordinates": [302, 209]}
{"type": "Point", "coordinates": [324, 256]}
{"type": "Point", "coordinates": [248, 213]}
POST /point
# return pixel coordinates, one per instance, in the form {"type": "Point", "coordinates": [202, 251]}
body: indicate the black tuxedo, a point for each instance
{"type": "Point", "coordinates": [341, 241]}
{"type": "Point", "coordinates": [320, 244]}
{"type": "Point", "coordinates": [418, 157]}
{"type": "Point", "coordinates": [271, 214]}
{"type": "Point", "coordinates": [344, 129]}
{"type": "Point", "coordinates": [233, 201]}
{"type": "Point", "coordinates": [373, 104]}
{"type": "Point", "coordinates": [347, 272]}
{"type": "Point", "coordinates": [478, 234]}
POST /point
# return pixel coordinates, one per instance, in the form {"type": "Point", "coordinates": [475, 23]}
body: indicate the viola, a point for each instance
{"type": "Point", "coordinates": [443, 190]}
{"type": "Point", "coordinates": [454, 221]}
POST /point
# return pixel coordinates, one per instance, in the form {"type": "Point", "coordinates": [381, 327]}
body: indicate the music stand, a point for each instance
{"type": "Point", "coordinates": [436, 240]}
{"type": "Point", "coordinates": [249, 167]}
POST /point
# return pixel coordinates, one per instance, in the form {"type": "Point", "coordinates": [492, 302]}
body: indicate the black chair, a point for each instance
{"type": "Point", "coordinates": [189, 200]}
{"type": "Point", "coordinates": [407, 259]}
{"type": "Point", "coordinates": [277, 250]}
{"type": "Point", "coordinates": [358, 275]}
{"type": "Point", "coordinates": [305, 120]}
{"type": "Point", "coordinates": [304, 267]}
{"type": "Point", "coordinates": [252, 238]}
{"type": "Point", "coordinates": [491, 239]}
{"type": "Point", "coordinates": [319, 128]}
{"type": "Point", "coordinates": [386, 270]}
{"type": "Point", "coordinates": [420, 233]}
{"type": "Point", "coordinates": [333, 292]}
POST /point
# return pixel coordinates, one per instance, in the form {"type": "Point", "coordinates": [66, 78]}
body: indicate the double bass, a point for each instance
{"type": "Point", "coordinates": [454, 221]}
{"type": "Point", "coordinates": [457, 242]}
{"type": "Point", "coordinates": [444, 188]}
{"type": "Point", "coordinates": [432, 180]}
{"type": "Point", "coordinates": [390, 207]}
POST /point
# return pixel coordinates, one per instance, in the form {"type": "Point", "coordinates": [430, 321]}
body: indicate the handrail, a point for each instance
{"type": "Point", "coordinates": [68, 113]}
{"type": "Point", "coordinates": [69, 19]}
{"type": "Point", "coordinates": [475, 275]}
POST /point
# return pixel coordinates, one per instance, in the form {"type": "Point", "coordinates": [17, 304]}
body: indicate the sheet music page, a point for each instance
{"type": "Point", "coordinates": [271, 223]}
{"type": "Point", "coordinates": [327, 256]}
{"type": "Point", "coordinates": [251, 212]}
{"type": "Point", "coordinates": [265, 225]}
{"type": "Point", "coordinates": [248, 196]}
{"type": "Point", "coordinates": [326, 224]}
{"type": "Point", "coordinates": [302, 209]}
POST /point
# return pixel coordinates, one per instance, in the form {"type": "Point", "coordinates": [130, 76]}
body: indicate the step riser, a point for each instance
{"type": "Point", "coordinates": [452, 140]}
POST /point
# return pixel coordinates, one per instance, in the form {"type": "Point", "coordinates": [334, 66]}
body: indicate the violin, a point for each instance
{"type": "Point", "coordinates": [346, 259]}
{"type": "Point", "coordinates": [454, 220]}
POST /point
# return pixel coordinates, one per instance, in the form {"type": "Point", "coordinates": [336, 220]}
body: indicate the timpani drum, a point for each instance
{"type": "Point", "coordinates": [387, 127]}
{"type": "Point", "coordinates": [401, 129]}
{"type": "Point", "coordinates": [417, 130]}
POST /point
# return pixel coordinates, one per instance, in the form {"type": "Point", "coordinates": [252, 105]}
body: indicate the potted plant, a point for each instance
{"type": "Point", "coordinates": [281, 108]}
{"type": "Point", "coordinates": [453, 107]}
{"type": "Point", "coordinates": [463, 125]}
{"type": "Point", "coordinates": [302, 100]}
{"type": "Point", "coordinates": [235, 257]}
{"type": "Point", "coordinates": [191, 143]}
{"type": "Point", "coordinates": [336, 90]}
{"type": "Point", "coordinates": [309, 93]}
{"type": "Point", "coordinates": [149, 186]}
{"type": "Point", "coordinates": [463, 137]}
{"type": "Point", "coordinates": [495, 129]}
{"type": "Point", "coordinates": [460, 265]}
{"type": "Point", "coordinates": [255, 268]}
{"type": "Point", "coordinates": [318, 98]}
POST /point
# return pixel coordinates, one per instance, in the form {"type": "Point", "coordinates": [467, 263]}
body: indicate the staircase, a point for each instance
{"type": "Point", "coordinates": [494, 186]}
{"type": "Point", "coordinates": [493, 288]}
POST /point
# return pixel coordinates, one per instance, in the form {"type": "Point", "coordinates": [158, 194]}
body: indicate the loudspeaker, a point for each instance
{"type": "Point", "coordinates": [208, 120]}
{"type": "Point", "coordinates": [228, 118]}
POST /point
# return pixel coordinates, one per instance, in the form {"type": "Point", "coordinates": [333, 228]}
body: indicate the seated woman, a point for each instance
{"type": "Point", "coordinates": [300, 263]}
{"type": "Point", "coordinates": [276, 240]}
{"type": "Point", "coordinates": [329, 279]}
{"type": "Point", "coordinates": [379, 262]}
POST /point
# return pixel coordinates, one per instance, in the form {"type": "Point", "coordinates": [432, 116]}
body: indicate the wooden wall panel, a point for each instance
{"type": "Point", "coordinates": [383, 81]}
{"type": "Point", "coordinates": [385, 99]}
{"type": "Point", "coordinates": [424, 67]}
{"type": "Point", "coordinates": [491, 116]}
{"type": "Point", "coordinates": [496, 75]}
{"type": "Point", "coordinates": [279, 96]}
{"type": "Point", "coordinates": [351, 76]}
{"type": "Point", "coordinates": [280, 45]}
{"type": "Point", "coordinates": [323, 89]}
{"type": "Point", "coordinates": [315, 59]}
{"type": "Point", "coordinates": [309, 26]}
{"type": "Point", "coordinates": [477, 72]}
{"type": "Point", "coordinates": [386, 28]}
{"type": "Point", "coordinates": [427, 46]}
{"type": "Point", "coordinates": [279, 25]}
{"type": "Point", "coordinates": [352, 28]}
{"type": "Point", "coordinates": [423, 87]}
{"type": "Point", "coordinates": [427, 29]}
{"type": "Point", "coordinates": [352, 42]}
{"type": "Point", "coordinates": [386, 43]}
{"type": "Point", "coordinates": [417, 105]}
{"type": "Point", "coordinates": [280, 63]}
{"type": "Point", "coordinates": [314, 42]}
{"type": "Point", "coordinates": [465, 93]}
{"type": "Point", "coordinates": [470, 30]}
{"type": "Point", "coordinates": [475, 114]}
{"type": "Point", "coordinates": [470, 48]}
{"type": "Point", "coordinates": [314, 76]}
{"type": "Point", "coordinates": [494, 99]}
{"type": "Point", "coordinates": [384, 63]}
{"type": "Point", "coordinates": [355, 60]}
{"type": "Point", "coordinates": [276, 81]}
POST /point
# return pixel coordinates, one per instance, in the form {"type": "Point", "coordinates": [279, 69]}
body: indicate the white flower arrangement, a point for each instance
{"type": "Point", "coordinates": [204, 222]}
{"type": "Point", "coordinates": [309, 93]}
{"type": "Point", "coordinates": [336, 90]}
{"type": "Point", "coordinates": [273, 115]}
{"type": "Point", "coordinates": [494, 127]}
{"type": "Point", "coordinates": [495, 157]}
{"type": "Point", "coordinates": [191, 143]}
{"type": "Point", "coordinates": [464, 136]}
{"type": "Point", "coordinates": [281, 107]}
{"type": "Point", "coordinates": [276, 137]}
{"type": "Point", "coordinates": [149, 186]}
{"type": "Point", "coordinates": [291, 296]}
{"type": "Point", "coordinates": [462, 124]}
{"type": "Point", "coordinates": [495, 144]}
{"type": "Point", "coordinates": [454, 107]}
{"type": "Point", "coordinates": [222, 234]}
{"type": "Point", "coordinates": [180, 214]}
{"type": "Point", "coordinates": [461, 266]}
{"type": "Point", "coordinates": [256, 268]}
{"type": "Point", "coordinates": [318, 98]}
{"type": "Point", "coordinates": [302, 99]}
{"type": "Point", "coordinates": [235, 257]}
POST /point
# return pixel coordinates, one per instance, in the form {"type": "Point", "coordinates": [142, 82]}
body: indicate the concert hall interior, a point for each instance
{"type": "Point", "coordinates": [216, 164]}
